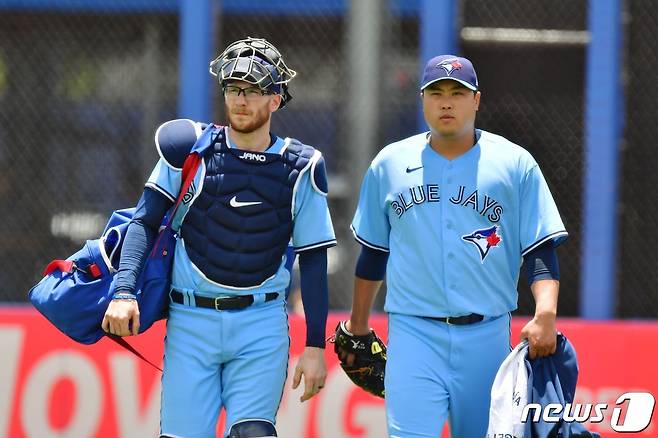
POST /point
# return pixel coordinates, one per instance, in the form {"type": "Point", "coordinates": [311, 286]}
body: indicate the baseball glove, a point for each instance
{"type": "Point", "coordinates": [367, 370]}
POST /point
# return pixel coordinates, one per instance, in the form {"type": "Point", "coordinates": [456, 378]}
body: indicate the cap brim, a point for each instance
{"type": "Point", "coordinates": [464, 83]}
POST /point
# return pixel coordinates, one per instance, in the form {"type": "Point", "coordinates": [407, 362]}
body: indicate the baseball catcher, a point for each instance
{"type": "Point", "coordinates": [258, 195]}
{"type": "Point", "coordinates": [363, 358]}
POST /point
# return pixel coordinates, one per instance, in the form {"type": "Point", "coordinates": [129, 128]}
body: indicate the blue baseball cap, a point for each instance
{"type": "Point", "coordinates": [449, 67]}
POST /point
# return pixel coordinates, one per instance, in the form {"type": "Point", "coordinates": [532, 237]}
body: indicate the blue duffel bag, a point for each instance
{"type": "Point", "coordinates": [75, 293]}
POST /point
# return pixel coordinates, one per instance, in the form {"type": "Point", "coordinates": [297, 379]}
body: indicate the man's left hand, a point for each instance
{"type": "Point", "coordinates": [312, 366]}
{"type": "Point", "coordinates": [541, 335]}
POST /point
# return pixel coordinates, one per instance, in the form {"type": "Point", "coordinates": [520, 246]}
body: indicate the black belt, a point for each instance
{"type": "Point", "coordinates": [237, 302]}
{"type": "Point", "coordinates": [458, 320]}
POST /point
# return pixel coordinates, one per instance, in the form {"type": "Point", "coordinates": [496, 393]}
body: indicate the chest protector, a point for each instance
{"type": "Point", "coordinates": [238, 227]}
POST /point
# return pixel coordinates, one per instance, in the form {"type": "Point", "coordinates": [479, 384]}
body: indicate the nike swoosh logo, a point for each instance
{"type": "Point", "coordinates": [410, 169]}
{"type": "Point", "coordinates": [237, 204]}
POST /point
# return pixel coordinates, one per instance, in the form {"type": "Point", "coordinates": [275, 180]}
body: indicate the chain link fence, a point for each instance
{"type": "Point", "coordinates": [80, 96]}
{"type": "Point", "coordinates": [637, 279]}
{"type": "Point", "coordinates": [82, 93]}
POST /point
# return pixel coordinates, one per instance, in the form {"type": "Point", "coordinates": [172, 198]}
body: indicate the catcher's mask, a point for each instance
{"type": "Point", "coordinates": [256, 61]}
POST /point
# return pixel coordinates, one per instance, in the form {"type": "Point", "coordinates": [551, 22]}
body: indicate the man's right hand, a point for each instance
{"type": "Point", "coordinates": [121, 317]}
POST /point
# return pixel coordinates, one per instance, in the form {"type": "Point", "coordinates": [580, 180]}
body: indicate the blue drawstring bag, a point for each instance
{"type": "Point", "coordinates": [74, 293]}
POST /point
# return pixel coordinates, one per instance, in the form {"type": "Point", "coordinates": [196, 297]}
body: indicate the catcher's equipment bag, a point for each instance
{"type": "Point", "coordinates": [367, 370]}
{"type": "Point", "coordinates": [74, 293]}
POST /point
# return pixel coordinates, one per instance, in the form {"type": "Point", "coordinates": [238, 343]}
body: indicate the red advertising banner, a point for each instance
{"type": "Point", "coordinates": [52, 387]}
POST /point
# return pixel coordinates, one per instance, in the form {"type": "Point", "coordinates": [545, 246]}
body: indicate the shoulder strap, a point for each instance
{"type": "Point", "coordinates": [192, 162]}
{"type": "Point", "coordinates": [119, 340]}
{"type": "Point", "coordinates": [190, 168]}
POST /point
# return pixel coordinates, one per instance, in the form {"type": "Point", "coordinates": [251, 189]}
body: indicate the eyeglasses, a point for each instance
{"type": "Point", "coordinates": [233, 91]}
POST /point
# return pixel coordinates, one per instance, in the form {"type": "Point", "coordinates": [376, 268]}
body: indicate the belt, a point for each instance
{"type": "Point", "coordinates": [237, 302]}
{"type": "Point", "coordinates": [458, 320]}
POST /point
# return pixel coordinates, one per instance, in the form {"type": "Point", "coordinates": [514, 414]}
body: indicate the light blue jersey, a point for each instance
{"type": "Point", "coordinates": [456, 229]}
{"type": "Point", "coordinates": [312, 228]}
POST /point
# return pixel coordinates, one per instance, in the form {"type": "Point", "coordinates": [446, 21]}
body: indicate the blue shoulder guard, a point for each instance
{"type": "Point", "coordinates": [319, 176]}
{"type": "Point", "coordinates": [174, 140]}
{"type": "Point", "coordinates": [312, 158]}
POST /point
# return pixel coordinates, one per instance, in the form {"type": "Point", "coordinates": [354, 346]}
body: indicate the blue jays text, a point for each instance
{"type": "Point", "coordinates": [483, 204]}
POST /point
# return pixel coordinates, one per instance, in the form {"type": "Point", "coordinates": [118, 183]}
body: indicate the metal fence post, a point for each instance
{"type": "Point", "coordinates": [604, 112]}
{"type": "Point", "coordinates": [196, 33]}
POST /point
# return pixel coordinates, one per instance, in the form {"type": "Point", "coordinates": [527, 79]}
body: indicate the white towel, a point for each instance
{"type": "Point", "coordinates": [509, 395]}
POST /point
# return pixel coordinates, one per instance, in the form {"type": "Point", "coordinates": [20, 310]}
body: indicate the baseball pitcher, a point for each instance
{"type": "Point", "coordinates": [448, 216]}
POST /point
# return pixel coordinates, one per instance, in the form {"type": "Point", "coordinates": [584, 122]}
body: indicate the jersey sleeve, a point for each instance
{"type": "Point", "coordinates": [312, 222]}
{"type": "Point", "coordinates": [370, 224]}
{"type": "Point", "coordinates": [539, 217]}
{"type": "Point", "coordinates": [165, 179]}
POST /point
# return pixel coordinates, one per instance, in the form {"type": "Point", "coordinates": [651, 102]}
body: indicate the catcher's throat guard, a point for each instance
{"type": "Point", "coordinates": [367, 370]}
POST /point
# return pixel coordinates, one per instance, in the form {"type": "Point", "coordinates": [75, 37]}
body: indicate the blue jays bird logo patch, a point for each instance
{"type": "Point", "coordinates": [450, 65]}
{"type": "Point", "coordinates": [484, 239]}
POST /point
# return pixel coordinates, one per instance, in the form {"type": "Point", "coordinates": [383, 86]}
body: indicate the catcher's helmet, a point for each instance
{"type": "Point", "coordinates": [257, 61]}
